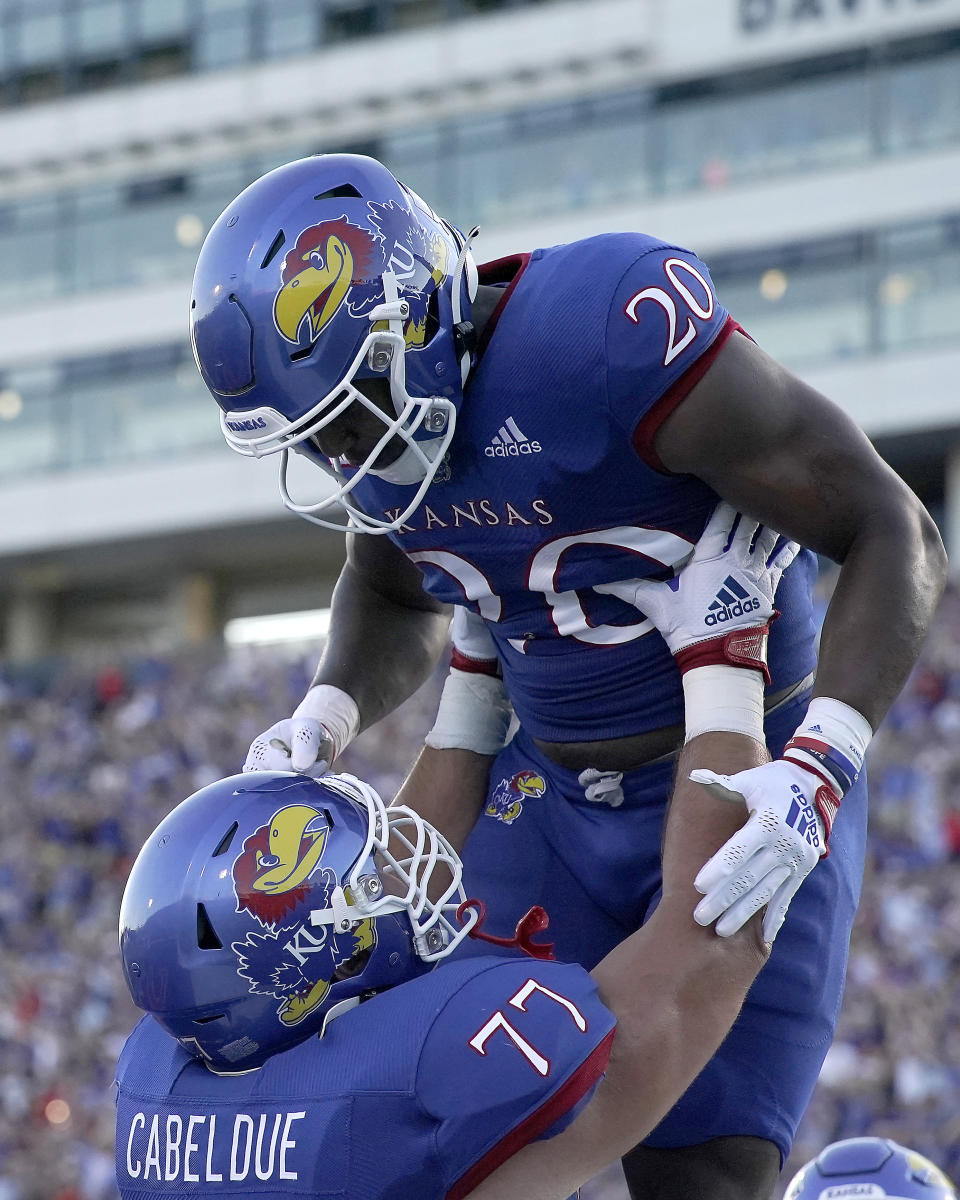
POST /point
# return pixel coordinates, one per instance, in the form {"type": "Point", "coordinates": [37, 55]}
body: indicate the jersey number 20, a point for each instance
{"type": "Point", "coordinates": [676, 342]}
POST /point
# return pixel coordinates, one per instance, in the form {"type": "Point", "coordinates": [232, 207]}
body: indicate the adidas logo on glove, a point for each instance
{"type": "Point", "coordinates": [801, 817]}
{"type": "Point", "coordinates": [733, 600]}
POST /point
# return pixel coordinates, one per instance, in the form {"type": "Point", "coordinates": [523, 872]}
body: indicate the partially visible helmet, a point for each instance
{"type": "Point", "coordinates": [867, 1168]}
{"type": "Point", "coordinates": [267, 900]}
{"type": "Point", "coordinates": [324, 272]}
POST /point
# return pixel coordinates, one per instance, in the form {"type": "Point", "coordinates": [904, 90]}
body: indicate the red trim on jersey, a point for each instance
{"type": "Point", "coordinates": [502, 270]}
{"type": "Point", "coordinates": [649, 425]}
{"type": "Point", "coordinates": [562, 1100]}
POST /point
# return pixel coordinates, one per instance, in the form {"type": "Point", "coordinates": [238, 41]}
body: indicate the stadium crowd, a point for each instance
{"type": "Point", "coordinates": [91, 759]}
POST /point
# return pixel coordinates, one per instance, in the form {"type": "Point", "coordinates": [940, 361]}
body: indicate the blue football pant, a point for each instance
{"type": "Point", "coordinates": [596, 870]}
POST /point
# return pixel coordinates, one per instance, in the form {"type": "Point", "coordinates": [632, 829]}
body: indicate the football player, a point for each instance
{"type": "Point", "coordinates": [269, 919]}
{"type": "Point", "coordinates": [870, 1166]}
{"type": "Point", "coordinates": [524, 440]}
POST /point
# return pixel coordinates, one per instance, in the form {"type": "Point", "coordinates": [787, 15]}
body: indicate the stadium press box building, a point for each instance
{"type": "Point", "coordinates": [809, 150]}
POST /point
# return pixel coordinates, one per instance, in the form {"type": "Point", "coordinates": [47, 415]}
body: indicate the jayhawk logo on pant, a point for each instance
{"type": "Point", "coordinates": [279, 879]}
{"type": "Point", "coordinates": [506, 799]}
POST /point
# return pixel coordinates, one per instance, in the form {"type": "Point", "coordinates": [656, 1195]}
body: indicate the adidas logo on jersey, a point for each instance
{"type": "Point", "coordinates": [509, 442]}
{"type": "Point", "coordinates": [733, 600]}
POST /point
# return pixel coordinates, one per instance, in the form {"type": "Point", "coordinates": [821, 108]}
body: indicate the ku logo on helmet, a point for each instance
{"type": "Point", "coordinates": [336, 263]}
{"type": "Point", "coordinates": [318, 273]}
{"type": "Point", "coordinates": [294, 963]}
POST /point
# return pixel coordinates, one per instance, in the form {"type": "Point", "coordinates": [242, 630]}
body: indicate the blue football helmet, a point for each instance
{"type": "Point", "coordinates": [869, 1167]}
{"type": "Point", "coordinates": [326, 272]}
{"type": "Point", "coordinates": [268, 901]}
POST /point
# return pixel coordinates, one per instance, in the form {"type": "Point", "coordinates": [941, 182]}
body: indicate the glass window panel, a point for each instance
{"type": "Point", "coordinates": [803, 313]}
{"type": "Point", "coordinates": [38, 86]}
{"type": "Point", "coordinates": [192, 421]}
{"type": "Point", "coordinates": [33, 267]}
{"type": "Point", "coordinates": [30, 430]}
{"type": "Point", "coordinates": [420, 159]}
{"type": "Point", "coordinates": [97, 202]}
{"type": "Point", "coordinates": [224, 40]}
{"type": "Point", "coordinates": [410, 14]}
{"type": "Point", "coordinates": [163, 61]}
{"type": "Point", "coordinates": [551, 117]}
{"type": "Point", "coordinates": [349, 19]}
{"type": "Point", "coordinates": [224, 180]}
{"type": "Point", "coordinates": [111, 408]}
{"type": "Point", "coordinates": [918, 288]}
{"type": "Point", "coordinates": [30, 438]}
{"type": "Point", "coordinates": [922, 104]}
{"type": "Point", "coordinates": [42, 37]}
{"type": "Point", "coordinates": [609, 161]}
{"type": "Point", "coordinates": [164, 19]}
{"type": "Point", "coordinates": [611, 107]}
{"type": "Point", "coordinates": [714, 140]}
{"type": "Point", "coordinates": [290, 27]}
{"type": "Point", "coordinates": [101, 28]}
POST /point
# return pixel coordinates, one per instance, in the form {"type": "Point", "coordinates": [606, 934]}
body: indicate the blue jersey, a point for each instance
{"type": "Point", "coordinates": [420, 1092]}
{"type": "Point", "coordinates": [551, 485]}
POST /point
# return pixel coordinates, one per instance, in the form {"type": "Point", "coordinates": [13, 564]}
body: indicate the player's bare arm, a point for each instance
{"type": "Point", "coordinates": [447, 785]}
{"type": "Point", "coordinates": [776, 448]}
{"type": "Point", "coordinates": [386, 633]}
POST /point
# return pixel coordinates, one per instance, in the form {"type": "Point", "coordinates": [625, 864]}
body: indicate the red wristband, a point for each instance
{"type": "Point", "coordinates": [474, 666]}
{"type": "Point", "coordinates": [738, 648]}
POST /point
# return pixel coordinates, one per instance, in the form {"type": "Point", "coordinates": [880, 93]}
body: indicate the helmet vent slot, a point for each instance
{"type": "Point", "coordinates": [206, 935]}
{"type": "Point", "coordinates": [207, 1020]}
{"type": "Point", "coordinates": [224, 844]}
{"type": "Point", "coordinates": [329, 815]}
{"type": "Point", "coordinates": [275, 245]}
{"type": "Point", "coordinates": [344, 191]}
{"type": "Point", "coordinates": [297, 355]}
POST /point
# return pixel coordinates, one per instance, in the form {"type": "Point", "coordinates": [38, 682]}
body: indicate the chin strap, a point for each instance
{"type": "Point", "coordinates": [534, 921]}
{"type": "Point", "coordinates": [464, 333]}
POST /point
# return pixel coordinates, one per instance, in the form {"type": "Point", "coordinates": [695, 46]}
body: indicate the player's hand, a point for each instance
{"type": "Point", "coordinates": [765, 862]}
{"type": "Point", "coordinates": [727, 584]}
{"type": "Point", "coordinates": [324, 723]}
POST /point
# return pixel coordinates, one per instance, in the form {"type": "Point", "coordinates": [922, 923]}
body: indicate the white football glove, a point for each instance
{"type": "Point", "coordinates": [726, 586]}
{"type": "Point", "coordinates": [765, 862]}
{"type": "Point", "coordinates": [324, 723]}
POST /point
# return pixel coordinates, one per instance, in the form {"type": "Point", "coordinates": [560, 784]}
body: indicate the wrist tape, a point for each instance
{"type": "Point", "coordinates": [831, 741]}
{"type": "Point", "coordinates": [336, 711]}
{"type": "Point", "coordinates": [720, 698]}
{"type": "Point", "coordinates": [474, 714]}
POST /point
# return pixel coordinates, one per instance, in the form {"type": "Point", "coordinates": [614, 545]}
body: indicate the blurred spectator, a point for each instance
{"type": "Point", "coordinates": [91, 759]}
